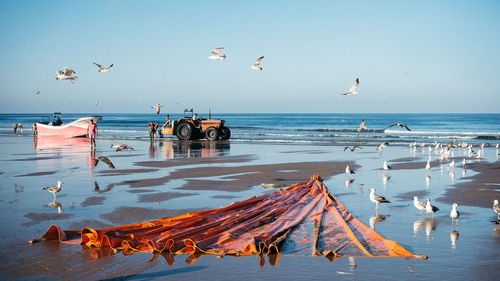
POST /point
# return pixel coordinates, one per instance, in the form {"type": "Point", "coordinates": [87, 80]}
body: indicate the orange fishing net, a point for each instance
{"type": "Point", "coordinates": [305, 219]}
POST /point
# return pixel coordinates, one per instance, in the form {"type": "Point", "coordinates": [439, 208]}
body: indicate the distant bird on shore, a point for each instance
{"type": "Point", "coordinates": [428, 165]}
{"type": "Point", "coordinates": [17, 126]}
{"type": "Point", "coordinates": [464, 163]}
{"type": "Point", "coordinates": [66, 75]}
{"type": "Point", "coordinates": [217, 54]}
{"type": "Point", "coordinates": [398, 124]}
{"type": "Point", "coordinates": [157, 107]}
{"type": "Point", "coordinates": [348, 170]}
{"type": "Point", "coordinates": [353, 148]}
{"type": "Point", "coordinates": [362, 126]}
{"type": "Point", "coordinates": [496, 209]}
{"type": "Point", "coordinates": [96, 103]}
{"type": "Point", "coordinates": [386, 167]}
{"type": "Point", "coordinates": [381, 146]}
{"type": "Point", "coordinates": [418, 204]}
{"type": "Point", "coordinates": [102, 68]}
{"type": "Point", "coordinates": [454, 214]}
{"type": "Point", "coordinates": [375, 198]}
{"type": "Point", "coordinates": [120, 147]}
{"type": "Point", "coordinates": [452, 163]}
{"type": "Point", "coordinates": [256, 66]}
{"type": "Point", "coordinates": [54, 189]}
{"type": "Point", "coordinates": [352, 90]}
{"type": "Point", "coordinates": [105, 160]}
{"type": "Point", "coordinates": [429, 209]}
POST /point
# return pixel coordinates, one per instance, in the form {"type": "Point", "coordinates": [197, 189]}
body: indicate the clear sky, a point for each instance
{"type": "Point", "coordinates": [410, 56]}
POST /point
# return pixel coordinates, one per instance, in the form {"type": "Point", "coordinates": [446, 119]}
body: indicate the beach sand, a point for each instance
{"type": "Point", "coordinates": [173, 178]}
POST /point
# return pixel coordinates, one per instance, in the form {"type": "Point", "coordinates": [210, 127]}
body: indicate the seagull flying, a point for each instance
{"type": "Point", "coordinates": [398, 124]}
{"type": "Point", "coordinates": [16, 126]}
{"type": "Point", "coordinates": [102, 68]}
{"type": "Point", "coordinates": [105, 160]}
{"type": "Point", "coordinates": [157, 107]}
{"type": "Point", "coordinates": [381, 146]}
{"type": "Point", "coordinates": [66, 75]}
{"type": "Point", "coordinates": [352, 90]}
{"type": "Point", "coordinates": [353, 148]}
{"type": "Point", "coordinates": [54, 189]}
{"type": "Point", "coordinates": [217, 54]}
{"type": "Point", "coordinates": [120, 147]}
{"type": "Point", "coordinates": [38, 92]}
{"type": "Point", "coordinates": [362, 126]}
{"type": "Point", "coordinates": [256, 66]}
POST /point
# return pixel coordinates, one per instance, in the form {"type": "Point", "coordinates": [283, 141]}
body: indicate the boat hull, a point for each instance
{"type": "Point", "coordinates": [77, 128]}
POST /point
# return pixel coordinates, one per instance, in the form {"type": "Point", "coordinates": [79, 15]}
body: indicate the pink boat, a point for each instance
{"type": "Point", "coordinates": [77, 128]}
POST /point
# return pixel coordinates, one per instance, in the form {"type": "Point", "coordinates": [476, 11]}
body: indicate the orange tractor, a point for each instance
{"type": "Point", "coordinates": [189, 128]}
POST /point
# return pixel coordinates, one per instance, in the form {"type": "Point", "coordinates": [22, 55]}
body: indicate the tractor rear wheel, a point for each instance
{"type": "Point", "coordinates": [225, 133]}
{"type": "Point", "coordinates": [184, 131]}
{"type": "Point", "coordinates": [211, 134]}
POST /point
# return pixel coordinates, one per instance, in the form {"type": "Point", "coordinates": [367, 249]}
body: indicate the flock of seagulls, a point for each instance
{"type": "Point", "coordinates": [218, 55]}
{"type": "Point", "coordinates": [67, 74]}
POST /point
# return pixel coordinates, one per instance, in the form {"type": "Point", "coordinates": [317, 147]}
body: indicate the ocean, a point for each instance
{"type": "Point", "coordinates": [303, 127]}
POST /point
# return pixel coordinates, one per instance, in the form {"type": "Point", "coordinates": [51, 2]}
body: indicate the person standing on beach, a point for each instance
{"type": "Point", "coordinates": [155, 128]}
{"type": "Point", "coordinates": [35, 129]}
{"type": "Point", "coordinates": [92, 132]}
{"type": "Point", "coordinates": [151, 131]}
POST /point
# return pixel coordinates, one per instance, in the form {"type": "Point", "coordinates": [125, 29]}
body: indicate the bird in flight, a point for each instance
{"type": "Point", "coordinates": [38, 92]}
{"type": "Point", "coordinates": [102, 68]}
{"type": "Point", "coordinates": [16, 126]}
{"type": "Point", "coordinates": [352, 90]}
{"type": "Point", "coordinates": [157, 107]}
{"type": "Point", "coordinates": [217, 54]}
{"type": "Point", "coordinates": [105, 160]}
{"type": "Point", "coordinates": [353, 148]}
{"type": "Point", "coordinates": [66, 75]}
{"type": "Point", "coordinates": [120, 147]}
{"type": "Point", "coordinates": [398, 124]}
{"type": "Point", "coordinates": [362, 126]}
{"type": "Point", "coordinates": [256, 66]}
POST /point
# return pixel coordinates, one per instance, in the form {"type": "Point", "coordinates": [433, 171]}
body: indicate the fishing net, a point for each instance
{"type": "Point", "coordinates": [304, 219]}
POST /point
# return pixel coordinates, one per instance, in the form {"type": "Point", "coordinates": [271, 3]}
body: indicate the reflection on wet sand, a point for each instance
{"type": "Point", "coordinates": [190, 149]}
{"type": "Point", "coordinates": [453, 238]}
{"type": "Point", "coordinates": [376, 219]}
{"type": "Point", "coordinates": [55, 205]}
{"type": "Point", "coordinates": [429, 224]}
{"type": "Point", "coordinates": [99, 190]}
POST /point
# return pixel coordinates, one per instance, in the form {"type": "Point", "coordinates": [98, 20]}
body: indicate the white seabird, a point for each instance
{"type": "Point", "coordinates": [120, 147]}
{"type": "Point", "coordinates": [418, 204]}
{"type": "Point", "coordinates": [256, 66]}
{"type": "Point", "coordinates": [102, 68]}
{"type": "Point", "coordinates": [381, 146]}
{"type": "Point", "coordinates": [375, 198]}
{"type": "Point", "coordinates": [352, 90]}
{"type": "Point", "coordinates": [454, 214]}
{"type": "Point", "coordinates": [66, 75]}
{"type": "Point", "coordinates": [429, 209]}
{"type": "Point", "coordinates": [398, 124]}
{"type": "Point", "coordinates": [217, 54]}
{"type": "Point", "coordinates": [428, 165]}
{"type": "Point", "coordinates": [386, 167]}
{"type": "Point", "coordinates": [362, 126]}
{"type": "Point", "coordinates": [348, 170]}
{"type": "Point", "coordinates": [496, 209]}
{"type": "Point", "coordinates": [157, 107]}
{"type": "Point", "coordinates": [452, 163]}
{"type": "Point", "coordinates": [54, 189]}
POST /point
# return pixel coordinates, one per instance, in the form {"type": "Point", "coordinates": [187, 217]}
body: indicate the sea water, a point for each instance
{"type": "Point", "coordinates": [303, 127]}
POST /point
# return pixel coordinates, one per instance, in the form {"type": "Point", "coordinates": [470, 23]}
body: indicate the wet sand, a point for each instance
{"type": "Point", "coordinates": [145, 189]}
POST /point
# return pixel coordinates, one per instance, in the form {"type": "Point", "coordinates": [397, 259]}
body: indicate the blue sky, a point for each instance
{"type": "Point", "coordinates": [410, 56]}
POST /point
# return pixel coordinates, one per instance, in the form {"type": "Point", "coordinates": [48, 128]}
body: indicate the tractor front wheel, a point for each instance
{"type": "Point", "coordinates": [225, 133]}
{"type": "Point", "coordinates": [184, 131]}
{"type": "Point", "coordinates": [211, 134]}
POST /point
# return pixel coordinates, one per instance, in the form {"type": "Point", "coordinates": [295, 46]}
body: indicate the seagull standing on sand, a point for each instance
{"type": "Point", "coordinates": [429, 209]}
{"type": "Point", "coordinates": [428, 165]}
{"type": "Point", "coordinates": [398, 124]}
{"type": "Point", "coordinates": [377, 198]}
{"type": "Point", "coordinates": [102, 68]}
{"type": "Point", "coordinates": [454, 214]}
{"type": "Point", "coordinates": [452, 164]}
{"type": "Point", "coordinates": [362, 126]}
{"type": "Point", "coordinates": [386, 167]}
{"type": "Point", "coordinates": [352, 90]}
{"type": "Point", "coordinates": [418, 204]}
{"type": "Point", "coordinates": [16, 126]}
{"type": "Point", "coordinates": [256, 66]}
{"type": "Point", "coordinates": [348, 170]}
{"type": "Point", "coordinates": [66, 75]}
{"type": "Point", "coordinates": [157, 107]}
{"type": "Point", "coordinates": [217, 54]}
{"type": "Point", "coordinates": [54, 189]}
{"type": "Point", "coordinates": [464, 163]}
{"type": "Point", "coordinates": [496, 209]}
